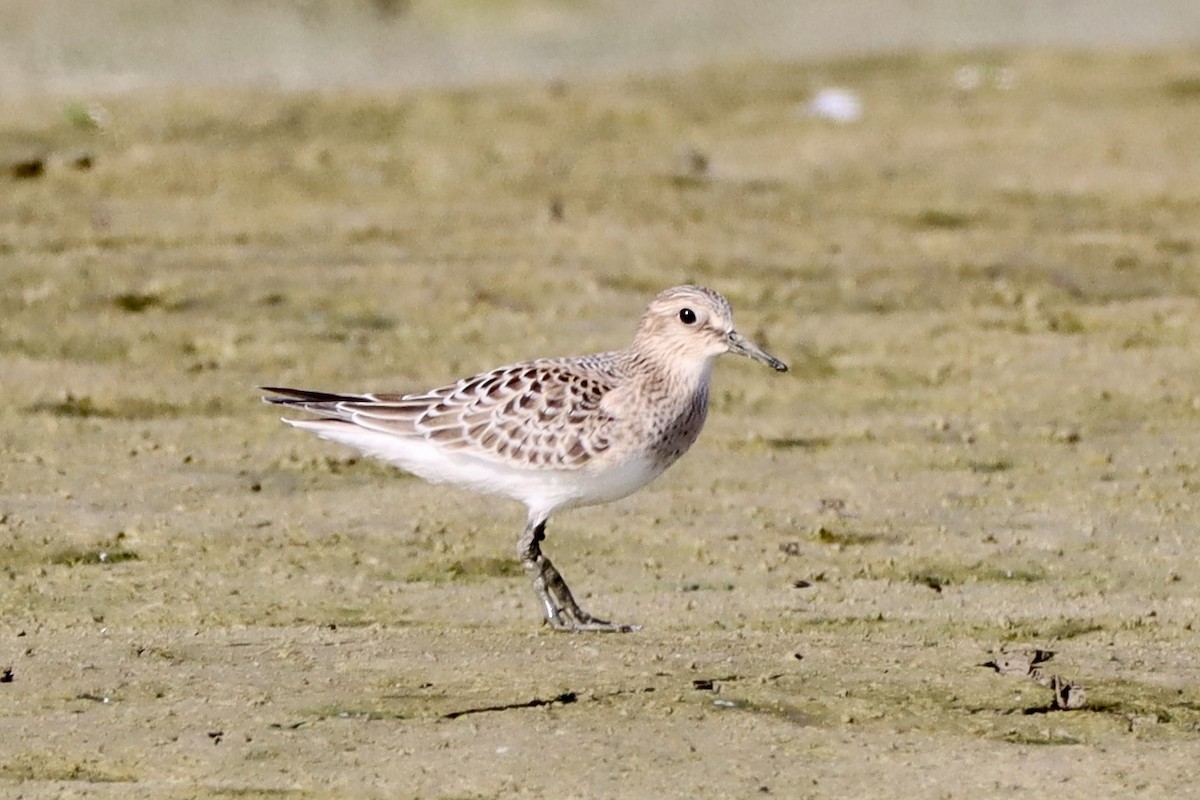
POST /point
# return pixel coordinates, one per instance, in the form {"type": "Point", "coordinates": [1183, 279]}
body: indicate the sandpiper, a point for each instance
{"type": "Point", "coordinates": [552, 433]}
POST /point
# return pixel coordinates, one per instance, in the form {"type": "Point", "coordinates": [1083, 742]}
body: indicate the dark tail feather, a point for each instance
{"type": "Point", "coordinates": [301, 397]}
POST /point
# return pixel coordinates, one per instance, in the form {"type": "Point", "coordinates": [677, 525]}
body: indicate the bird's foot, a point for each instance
{"type": "Point", "coordinates": [580, 620]}
{"type": "Point", "coordinates": [562, 612]}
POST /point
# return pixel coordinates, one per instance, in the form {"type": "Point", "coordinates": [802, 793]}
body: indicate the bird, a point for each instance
{"type": "Point", "coordinates": [551, 433]}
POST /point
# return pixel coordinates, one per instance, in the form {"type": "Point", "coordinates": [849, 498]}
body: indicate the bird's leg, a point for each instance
{"type": "Point", "coordinates": [562, 612]}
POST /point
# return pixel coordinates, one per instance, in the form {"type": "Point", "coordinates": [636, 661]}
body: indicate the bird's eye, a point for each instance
{"type": "Point", "coordinates": [687, 316]}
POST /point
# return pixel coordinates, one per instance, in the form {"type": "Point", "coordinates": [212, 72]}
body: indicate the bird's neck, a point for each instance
{"type": "Point", "coordinates": [685, 375]}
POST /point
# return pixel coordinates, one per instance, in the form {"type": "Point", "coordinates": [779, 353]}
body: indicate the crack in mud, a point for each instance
{"type": "Point", "coordinates": [566, 698]}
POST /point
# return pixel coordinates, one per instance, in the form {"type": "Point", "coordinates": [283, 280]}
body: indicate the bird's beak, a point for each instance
{"type": "Point", "coordinates": [744, 347]}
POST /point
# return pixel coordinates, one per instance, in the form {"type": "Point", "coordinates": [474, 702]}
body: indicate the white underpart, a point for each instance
{"type": "Point", "coordinates": [543, 491]}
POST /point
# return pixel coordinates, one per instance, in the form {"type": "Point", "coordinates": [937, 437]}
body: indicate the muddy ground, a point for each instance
{"type": "Point", "coordinates": [988, 289]}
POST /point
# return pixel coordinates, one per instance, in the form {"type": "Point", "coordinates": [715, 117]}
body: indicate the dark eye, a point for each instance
{"type": "Point", "coordinates": [687, 316]}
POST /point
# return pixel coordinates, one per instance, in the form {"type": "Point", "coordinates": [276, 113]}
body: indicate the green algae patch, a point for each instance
{"type": "Point", "coordinates": [30, 768]}
{"type": "Point", "coordinates": [73, 557]}
{"type": "Point", "coordinates": [944, 219]}
{"type": "Point", "coordinates": [467, 569]}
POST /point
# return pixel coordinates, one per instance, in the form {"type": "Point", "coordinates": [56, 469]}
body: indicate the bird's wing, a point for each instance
{"type": "Point", "coordinates": [539, 414]}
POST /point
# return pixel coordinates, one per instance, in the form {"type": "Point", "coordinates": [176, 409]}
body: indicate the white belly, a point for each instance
{"type": "Point", "coordinates": [542, 491]}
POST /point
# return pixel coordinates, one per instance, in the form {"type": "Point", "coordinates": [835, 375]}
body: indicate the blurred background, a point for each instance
{"type": "Point", "coordinates": [72, 46]}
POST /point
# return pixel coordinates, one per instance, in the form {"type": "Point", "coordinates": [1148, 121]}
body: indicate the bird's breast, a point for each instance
{"type": "Point", "coordinates": [676, 425]}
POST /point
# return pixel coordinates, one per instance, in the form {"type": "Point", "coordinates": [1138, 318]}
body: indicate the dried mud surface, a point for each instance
{"type": "Point", "coordinates": [989, 297]}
